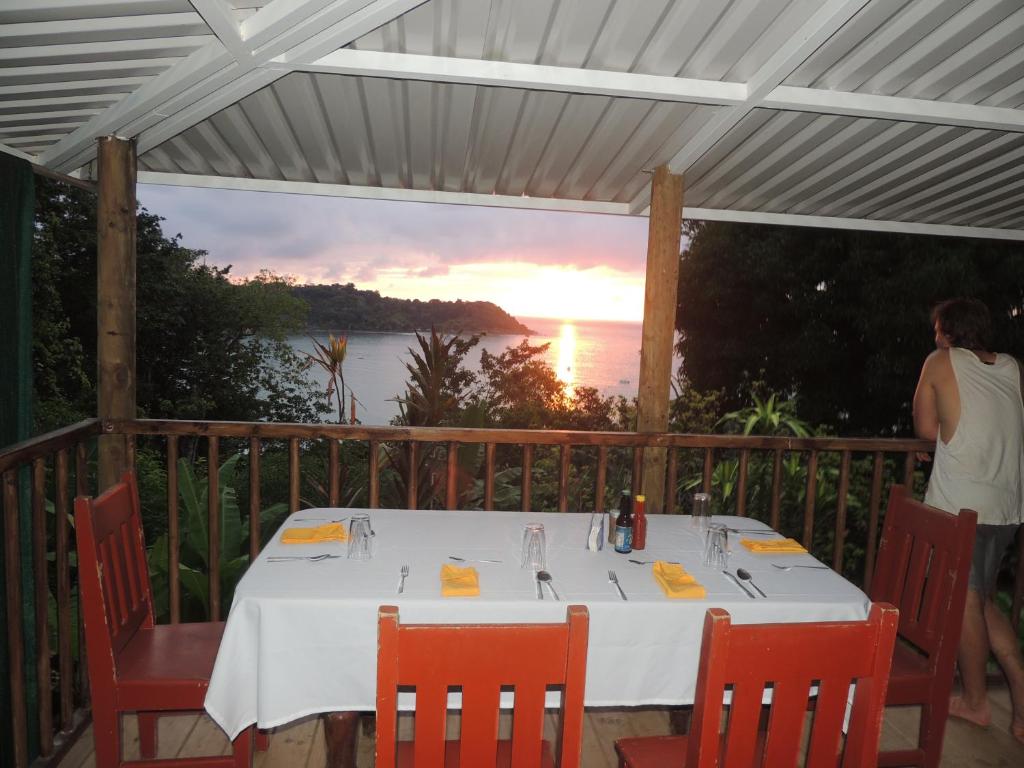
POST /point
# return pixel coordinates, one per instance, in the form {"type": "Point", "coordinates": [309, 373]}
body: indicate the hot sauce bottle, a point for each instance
{"type": "Point", "coordinates": [639, 523]}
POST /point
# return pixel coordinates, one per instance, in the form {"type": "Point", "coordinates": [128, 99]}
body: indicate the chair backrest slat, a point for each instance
{"type": "Point", "coordinates": [479, 723]}
{"type": "Point", "coordinates": [527, 722]}
{"type": "Point", "coordinates": [827, 723]}
{"type": "Point", "coordinates": [789, 659]}
{"type": "Point", "coordinates": [923, 564]}
{"type": "Point", "coordinates": [431, 723]}
{"type": "Point", "coordinates": [112, 566]}
{"type": "Point", "coordinates": [480, 659]}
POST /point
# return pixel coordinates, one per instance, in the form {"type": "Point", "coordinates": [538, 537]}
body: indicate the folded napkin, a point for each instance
{"type": "Point", "coordinates": [676, 582]}
{"type": "Point", "coordinates": [457, 581]}
{"type": "Point", "coordinates": [329, 532]}
{"type": "Point", "coordinates": [774, 546]}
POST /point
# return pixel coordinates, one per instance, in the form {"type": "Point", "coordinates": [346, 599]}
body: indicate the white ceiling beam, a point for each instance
{"type": "Point", "coordinates": [37, 74]}
{"type": "Point", "coordinates": [894, 108]}
{"type": "Point", "coordinates": [112, 85]}
{"type": "Point", "coordinates": [17, 152]}
{"type": "Point", "coordinates": [536, 77]}
{"type": "Point", "coordinates": [14, 10]}
{"type": "Point", "coordinates": [316, 43]}
{"type": "Point", "coordinates": [380, 193]}
{"type": "Point", "coordinates": [84, 30]}
{"type": "Point", "coordinates": [114, 49]}
{"type": "Point", "coordinates": [863, 225]}
{"type": "Point", "coordinates": [825, 21]}
{"type": "Point", "coordinates": [222, 22]}
{"type": "Point", "coordinates": [659, 88]}
{"type": "Point", "coordinates": [199, 66]}
{"type": "Point", "coordinates": [29, 117]}
{"type": "Point", "coordinates": [49, 99]}
{"type": "Point", "coordinates": [211, 79]}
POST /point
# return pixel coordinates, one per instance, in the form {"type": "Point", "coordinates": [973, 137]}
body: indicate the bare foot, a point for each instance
{"type": "Point", "coordinates": [980, 716]}
{"type": "Point", "coordinates": [1017, 730]}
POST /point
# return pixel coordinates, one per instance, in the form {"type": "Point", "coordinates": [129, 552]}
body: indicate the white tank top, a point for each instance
{"type": "Point", "coordinates": [981, 467]}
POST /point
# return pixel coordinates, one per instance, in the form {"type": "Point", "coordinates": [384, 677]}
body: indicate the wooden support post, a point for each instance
{"type": "Point", "coordinates": [663, 236]}
{"type": "Point", "coordinates": [115, 298]}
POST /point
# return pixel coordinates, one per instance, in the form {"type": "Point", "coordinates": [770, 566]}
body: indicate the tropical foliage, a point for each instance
{"type": "Point", "coordinates": [838, 318]}
{"type": "Point", "coordinates": [194, 553]}
{"type": "Point", "coordinates": [331, 358]}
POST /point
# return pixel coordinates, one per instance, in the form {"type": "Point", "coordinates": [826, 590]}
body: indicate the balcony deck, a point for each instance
{"type": "Point", "coordinates": [301, 744]}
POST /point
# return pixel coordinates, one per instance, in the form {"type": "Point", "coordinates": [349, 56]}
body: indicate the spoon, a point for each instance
{"type": "Point", "coordinates": [545, 578]}
{"type": "Point", "coordinates": [791, 567]}
{"type": "Point", "coordinates": [744, 574]}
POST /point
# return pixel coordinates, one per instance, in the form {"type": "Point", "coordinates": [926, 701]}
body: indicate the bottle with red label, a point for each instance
{"type": "Point", "coordinates": [639, 522]}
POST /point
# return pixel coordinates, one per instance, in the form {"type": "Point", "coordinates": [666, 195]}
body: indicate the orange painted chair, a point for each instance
{"type": "Point", "coordinates": [924, 559]}
{"type": "Point", "coordinates": [790, 658]}
{"type": "Point", "coordinates": [480, 659]}
{"type": "Point", "coordinates": [135, 665]}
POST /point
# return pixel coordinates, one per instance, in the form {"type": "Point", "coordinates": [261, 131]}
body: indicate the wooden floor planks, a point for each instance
{"type": "Point", "coordinates": [301, 744]}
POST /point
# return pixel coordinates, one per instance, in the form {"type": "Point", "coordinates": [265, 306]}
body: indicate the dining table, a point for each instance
{"type": "Point", "coordinates": [301, 635]}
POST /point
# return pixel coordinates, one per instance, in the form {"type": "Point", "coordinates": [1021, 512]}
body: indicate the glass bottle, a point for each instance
{"type": "Point", "coordinates": [624, 525]}
{"type": "Point", "coordinates": [639, 522]}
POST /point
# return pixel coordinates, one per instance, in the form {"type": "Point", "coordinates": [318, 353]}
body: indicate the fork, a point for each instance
{"type": "Point", "coordinates": [310, 558]}
{"type": "Point", "coordinates": [614, 579]}
{"type": "Point", "coordinates": [791, 567]}
{"type": "Point", "coordinates": [401, 584]}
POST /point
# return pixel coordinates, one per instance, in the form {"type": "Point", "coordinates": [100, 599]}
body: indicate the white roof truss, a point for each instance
{"type": "Point", "coordinates": [895, 115]}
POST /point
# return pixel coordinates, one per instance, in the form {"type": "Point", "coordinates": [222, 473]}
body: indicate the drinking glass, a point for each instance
{"type": "Point", "coordinates": [534, 548]}
{"type": "Point", "coordinates": [701, 511]}
{"type": "Point", "coordinates": [716, 546]}
{"type": "Point", "coordinates": [360, 537]}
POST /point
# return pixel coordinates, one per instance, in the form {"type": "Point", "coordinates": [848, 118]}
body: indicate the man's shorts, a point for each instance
{"type": "Point", "coordinates": [990, 545]}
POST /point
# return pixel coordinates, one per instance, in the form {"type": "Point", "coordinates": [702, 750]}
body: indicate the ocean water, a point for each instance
{"type": "Point", "coordinates": [605, 355]}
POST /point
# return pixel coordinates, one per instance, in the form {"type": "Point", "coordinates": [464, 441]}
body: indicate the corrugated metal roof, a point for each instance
{"type": "Point", "coordinates": [885, 114]}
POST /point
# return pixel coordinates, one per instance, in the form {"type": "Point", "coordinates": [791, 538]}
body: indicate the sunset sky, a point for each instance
{"type": "Point", "coordinates": [531, 263]}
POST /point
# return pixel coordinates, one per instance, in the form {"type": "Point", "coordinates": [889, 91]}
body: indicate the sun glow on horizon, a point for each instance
{"type": "Point", "coordinates": [525, 290]}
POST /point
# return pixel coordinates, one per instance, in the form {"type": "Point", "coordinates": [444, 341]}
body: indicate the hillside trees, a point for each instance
{"type": "Point", "coordinates": [838, 318]}
{"type": "Point", "coordinates": [207, 347]}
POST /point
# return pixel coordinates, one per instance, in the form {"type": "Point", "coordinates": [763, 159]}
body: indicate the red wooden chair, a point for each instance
{"type": "Point", "coordinates": [790, 658]}
{"type": "Point", "coordinates": [134, 665]}
{"type": "Point", "coordinates": [923, 563]}
{"type": "Point", "coordinates": [480, 659]}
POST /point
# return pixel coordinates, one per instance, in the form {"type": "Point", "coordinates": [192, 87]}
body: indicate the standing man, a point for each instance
{"type": "Point", "coordinates": [969, 401]}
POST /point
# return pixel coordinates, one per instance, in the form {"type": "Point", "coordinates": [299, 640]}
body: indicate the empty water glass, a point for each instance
{"type": "Point", "coordinates": [534, 548]}
{"type": "Point", "coordinates": [716, 546]}
{"type": "Point", "coordinates": [701, 511]}
{"type": "Point", "coordinates": [360, 537]}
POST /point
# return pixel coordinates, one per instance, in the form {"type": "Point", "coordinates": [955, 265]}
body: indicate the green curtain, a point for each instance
{"type": "Point", "coordinates": [17, 199]}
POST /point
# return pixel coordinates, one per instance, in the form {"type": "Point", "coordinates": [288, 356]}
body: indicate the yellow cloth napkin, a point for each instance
{"type": "Point", "coordinates": [676, 582]}
{"type": "Point", "coordinates": [457, 581]}
{"type": "Point", "coordinates": [329, 532]}
{"type": "Point", "coordinates": [774, 546]}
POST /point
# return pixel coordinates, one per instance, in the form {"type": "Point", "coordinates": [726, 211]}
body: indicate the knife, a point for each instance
{"type": "Point", "coordinates": [739, 584]}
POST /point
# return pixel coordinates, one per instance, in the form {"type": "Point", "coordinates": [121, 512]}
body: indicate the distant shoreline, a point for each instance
{"type": "Point", "coordinates": [523, 320]}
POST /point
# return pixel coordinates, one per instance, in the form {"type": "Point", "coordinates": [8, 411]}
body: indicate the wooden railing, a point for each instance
{"type": "Point", "coordinates": [777, 479]}
{"type": "Point", "coordinates": [48, 468]}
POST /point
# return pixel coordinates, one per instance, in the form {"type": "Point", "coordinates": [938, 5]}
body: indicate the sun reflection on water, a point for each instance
{"type": "Point", "coordinates": [567, 358]}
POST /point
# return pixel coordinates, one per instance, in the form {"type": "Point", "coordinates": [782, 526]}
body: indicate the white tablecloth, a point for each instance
{"type": "Point", "coordinates": [301, 636]}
